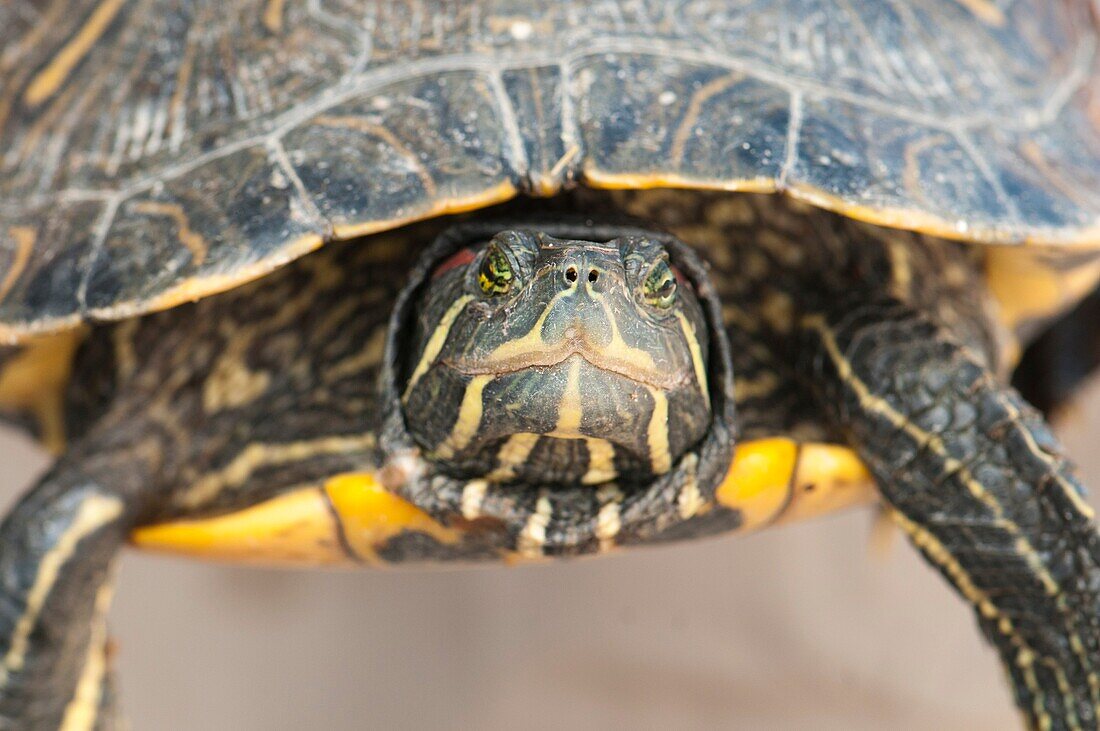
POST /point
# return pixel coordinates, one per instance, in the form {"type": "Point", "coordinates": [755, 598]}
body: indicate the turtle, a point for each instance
{"type": "Point", "coordinates": [346, 283]}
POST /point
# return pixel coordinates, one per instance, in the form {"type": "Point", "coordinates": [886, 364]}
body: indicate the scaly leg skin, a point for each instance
{"type": "Point", "coordinates": [56, 553]}
{"type": "Point", "coordinates": [891, 337]}
{"type": "Point", "coordinates": [979, 484]}
{"type": "Point", "coordinates": [207, 408]}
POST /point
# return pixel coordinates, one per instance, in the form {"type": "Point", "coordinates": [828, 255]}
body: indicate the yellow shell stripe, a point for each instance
{"type": "Point", "coordinates": [986, 11]}
{"type": "Point", "coordinates": [207, 284]}
{"type": "Point", "coordinates": [196, 287]}
{"type": "Point", "coordinates": [441, 206]}
{"type": "Point", "coordinates": [191, 239]}
{"type": "Point", "coordinates": [24, 237]}
{"type": "Point", "coordinates": [273, 16]}
{"type": "Point", "coordinates": [952, 466]}
{"type": "Point", "coordinates": [907, 218]}
{"type": "Point", "coordinates": [912, 219]}
{"type": "Point", "coordinates": [58, 69]}
{"type": "Point", "coordinates": [365, 126]}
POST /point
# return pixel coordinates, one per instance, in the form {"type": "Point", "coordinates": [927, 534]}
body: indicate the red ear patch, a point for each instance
{"type": "Point", "coordinates": [459, 259]}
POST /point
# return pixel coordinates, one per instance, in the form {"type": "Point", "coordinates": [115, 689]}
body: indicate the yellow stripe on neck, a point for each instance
{"type": "Point", "coordinates": [770, 481]}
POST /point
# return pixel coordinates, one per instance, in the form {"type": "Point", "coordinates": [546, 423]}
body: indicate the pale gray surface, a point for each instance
{"type": "Point", "coordinates": [796, 626]}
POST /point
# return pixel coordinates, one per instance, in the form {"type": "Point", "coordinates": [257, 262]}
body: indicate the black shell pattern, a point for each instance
{"type": "Point", "coordinates": [155, 151]}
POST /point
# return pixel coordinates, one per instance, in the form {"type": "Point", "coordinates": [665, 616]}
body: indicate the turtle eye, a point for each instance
{"type": "Point", "coordinates": [659, 287]}
{"type": "Point", "coordinates": [495, 275]}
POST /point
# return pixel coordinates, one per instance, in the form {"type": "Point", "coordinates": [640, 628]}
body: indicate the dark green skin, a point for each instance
{"type": "Point", "coordinates": [647, 503]}
{"type": "Point", "coordinates": [859, 356]}
{"type": "Point", "coordinates": [570, 297]}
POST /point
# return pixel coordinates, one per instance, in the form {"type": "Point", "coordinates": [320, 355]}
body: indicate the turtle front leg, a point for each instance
{"type": "Point", "coordinates": [57, 549]}
{"type": "Point", "coordinates": [980, 485]}
{"type": "Point", "coordinates": [264, 394]}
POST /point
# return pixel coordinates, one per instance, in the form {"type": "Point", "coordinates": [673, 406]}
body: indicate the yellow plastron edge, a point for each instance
{"type": "Point", "coordinates": [778, 480]}
{"type": "Point", "coordinates": [345, 522]}
{"type": "Point", "coordinates": [338, 524]}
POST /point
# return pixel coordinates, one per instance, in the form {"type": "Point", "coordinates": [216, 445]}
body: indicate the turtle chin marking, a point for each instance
{"type": "Point", "coordinates": [547, 361]}
{"type": "Point", "coordinates": [564, 392]}
{"type": "Point", "coordinates": [570, 423]}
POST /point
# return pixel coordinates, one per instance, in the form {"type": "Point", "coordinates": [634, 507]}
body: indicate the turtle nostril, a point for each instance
{"type": "Point", "coordinates": [593, 275]}
{"type": "Point", "coordinates": [571, 274]}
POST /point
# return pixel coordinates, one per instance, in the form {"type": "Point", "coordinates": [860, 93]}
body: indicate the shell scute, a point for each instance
{"type": "Point", "coordinates": [969, 120]}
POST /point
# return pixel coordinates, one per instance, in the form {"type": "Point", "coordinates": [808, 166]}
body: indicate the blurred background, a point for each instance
{"type": "Point", "coordinates": [798, 627]}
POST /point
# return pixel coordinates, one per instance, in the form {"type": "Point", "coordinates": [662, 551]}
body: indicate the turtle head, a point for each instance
{"type": "Point", "coordinates": [545, 360]}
